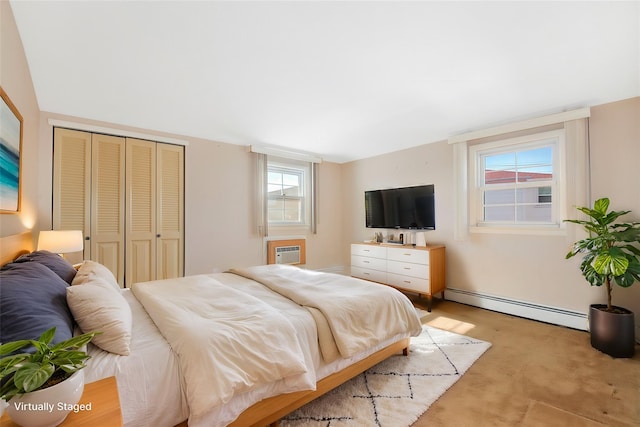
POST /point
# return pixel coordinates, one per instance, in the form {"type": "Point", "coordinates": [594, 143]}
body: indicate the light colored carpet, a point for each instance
{"type": "Point", "coordinates": [395, 392]}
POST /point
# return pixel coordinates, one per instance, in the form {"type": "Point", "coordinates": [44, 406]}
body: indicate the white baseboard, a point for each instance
{"type": "Point", "coordinates": [543, 313]}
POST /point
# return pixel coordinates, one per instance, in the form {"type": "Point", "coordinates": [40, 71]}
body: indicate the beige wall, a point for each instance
{"type": "Point", "coordinates": [517, 267]}
{"type": "Point", "coordinates": [221, 211]}
{"type": "Point", "coordinates": [220, 222]}
{"type": "Point", "coordinates": [15, 79]}
{"type": "Point", "coordinates": [615, 157]}
{"type": "Point", "coordinates": [220, 205]}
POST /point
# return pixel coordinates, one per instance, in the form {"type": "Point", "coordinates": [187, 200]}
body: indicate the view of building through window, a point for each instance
{"type": "Point", "coordinates": [286, 195]}
{"type": "Point", "coordinates": [517, 185]}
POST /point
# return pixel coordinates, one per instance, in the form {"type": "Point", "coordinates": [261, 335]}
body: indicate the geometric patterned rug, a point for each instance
{"type": "Point", "coordinates": [395, 392]}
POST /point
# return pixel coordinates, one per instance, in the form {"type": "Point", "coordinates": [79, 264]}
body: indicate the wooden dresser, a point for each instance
{"type": "Point", "coordinates": [416, 269]}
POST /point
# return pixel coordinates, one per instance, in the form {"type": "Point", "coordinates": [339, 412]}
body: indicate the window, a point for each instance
{"type": "Point", "coordinates": [567, 186]}
{"type": "Point", "coordinates": [288, 190]}
{"type": "Point", "coordinates": [516, 182]}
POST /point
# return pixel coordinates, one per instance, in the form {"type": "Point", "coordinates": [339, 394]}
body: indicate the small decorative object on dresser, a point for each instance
{"type": "Point", "coordinates": [419, 270]}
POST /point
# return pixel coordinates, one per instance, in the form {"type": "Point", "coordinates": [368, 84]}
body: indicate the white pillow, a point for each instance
{"type": "Point", "coordinates": [96, 306]}
{"type": "Point", "coordinates": [90, 269]}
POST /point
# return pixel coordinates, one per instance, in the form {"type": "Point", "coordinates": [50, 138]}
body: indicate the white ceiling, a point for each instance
{"type": "Point", "coordinates": [344, 80]}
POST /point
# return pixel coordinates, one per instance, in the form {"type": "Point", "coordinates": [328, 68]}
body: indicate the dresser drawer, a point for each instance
{"type": "Point", "coordinates": [415, 256]}
{"type": "Point", "coordinates": [410, 283]}
{"type": "Point", "coordinates": [408, 269]}
{"type": "Point", "coordinates": [368, 262]}
{"type": "Point", "coordinates": [373, 251]}
{"type": "Point", "coordinates": [365, 273]}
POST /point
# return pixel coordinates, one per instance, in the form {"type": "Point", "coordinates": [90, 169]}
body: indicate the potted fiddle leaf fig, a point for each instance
{"type": "Point", "coordinates": [611, 256]}
{"type": "Point", "coordinates": [42, 385]}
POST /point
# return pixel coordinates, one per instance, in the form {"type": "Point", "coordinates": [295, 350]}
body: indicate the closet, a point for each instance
{"type": "Point", "coordinates": [127, 196]}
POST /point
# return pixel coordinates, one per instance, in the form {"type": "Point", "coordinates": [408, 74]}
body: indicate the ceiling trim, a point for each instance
{"type": "Point", "coordinates": [117, 132]}
{"type": "Point", "coordinates": [286, 153]}
{"type": "Point", "coordinates": [522, 125]}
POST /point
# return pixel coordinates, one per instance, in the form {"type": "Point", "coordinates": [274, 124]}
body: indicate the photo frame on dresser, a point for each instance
{"type": "Point", "coordinates": [10, 155]}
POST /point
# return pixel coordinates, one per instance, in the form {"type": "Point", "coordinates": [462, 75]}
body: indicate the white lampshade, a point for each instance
{"type": "Point", "coordinates": [61, 241]}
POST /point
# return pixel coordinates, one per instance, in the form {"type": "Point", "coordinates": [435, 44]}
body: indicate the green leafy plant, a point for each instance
{"type": "Point", "coordinates": [610, 251]}
{"type": "Point", "coordinates": [46, 366]}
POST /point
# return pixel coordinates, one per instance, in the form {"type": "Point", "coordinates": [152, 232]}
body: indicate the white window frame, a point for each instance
{"type": "Point", "coordinates": [303, 169]}
{"type": "Point", "coordinates": [556, 139]}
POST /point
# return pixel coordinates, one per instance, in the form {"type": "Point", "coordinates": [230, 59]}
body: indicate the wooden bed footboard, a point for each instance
{"type": "Point", "coordinates": [270, 410]}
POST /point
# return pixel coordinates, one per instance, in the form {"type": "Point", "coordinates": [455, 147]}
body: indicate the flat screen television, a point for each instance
{"type": "Point", "coordinates": [411, 208]}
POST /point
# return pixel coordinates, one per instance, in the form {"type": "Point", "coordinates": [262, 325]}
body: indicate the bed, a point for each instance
{"type": "Point", "coordinates": [182, 334]}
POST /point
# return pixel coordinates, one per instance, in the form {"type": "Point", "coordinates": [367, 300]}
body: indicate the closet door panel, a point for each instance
{"type": "Point", "coordinates": [108, 203]}
{"type": "Point", "coordinates": [170, 258]}
{"type": "Point", "coordinates": [72, 182]}
{"type": "Point", "coordinates": [141, 211]}
{"type": "Point", "coordinates": [170, 211]}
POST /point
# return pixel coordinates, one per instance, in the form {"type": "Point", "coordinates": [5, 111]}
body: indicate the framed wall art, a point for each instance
{"type": "Point", "coordinates": [10, 155]}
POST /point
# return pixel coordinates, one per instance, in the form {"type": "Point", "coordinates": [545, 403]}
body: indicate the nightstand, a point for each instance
{"type": "Point", "coordinates": [105, 407]}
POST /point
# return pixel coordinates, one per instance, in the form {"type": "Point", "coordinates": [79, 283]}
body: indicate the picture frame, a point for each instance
{"type": "Point", "coordinates": [10, 155]}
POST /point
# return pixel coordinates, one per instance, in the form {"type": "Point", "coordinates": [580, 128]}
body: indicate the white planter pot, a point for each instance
{"type": "Point", "coordinates": [48, 407]}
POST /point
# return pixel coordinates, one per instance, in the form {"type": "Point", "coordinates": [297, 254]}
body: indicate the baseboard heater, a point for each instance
{"type": "Point", "coordinates": [543, 313]}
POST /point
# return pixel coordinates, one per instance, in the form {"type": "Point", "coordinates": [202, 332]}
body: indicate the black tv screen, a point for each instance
{"type": "Point", "coordinates": [411, 208]}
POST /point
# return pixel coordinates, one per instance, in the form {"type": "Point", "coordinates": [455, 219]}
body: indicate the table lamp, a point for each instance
{"type": "Point", "coordinates": [61, 241]}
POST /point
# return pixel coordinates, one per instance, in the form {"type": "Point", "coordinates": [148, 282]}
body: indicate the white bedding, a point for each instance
{"type": "Point", "coordinates": [149, 379]}
{"type": "Point", "coordinates": [351, 307]}
{"type": "Point", "coordinates": [227, 341]}
{"type": "Point", "coordinates": [152, 392]}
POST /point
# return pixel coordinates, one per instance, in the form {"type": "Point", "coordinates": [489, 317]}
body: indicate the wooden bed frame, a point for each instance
{"type": "Point", "coordinates": [268, 411]}
{"type": "Point", "coordinates": [15, 245]}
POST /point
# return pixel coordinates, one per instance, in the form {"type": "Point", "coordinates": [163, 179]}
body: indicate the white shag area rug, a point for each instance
{"type": "Point", "coordinates": [397, 391]}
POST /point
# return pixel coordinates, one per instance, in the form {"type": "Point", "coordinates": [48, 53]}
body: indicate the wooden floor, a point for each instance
{"type": "Point", "coordinates": [535, 374]}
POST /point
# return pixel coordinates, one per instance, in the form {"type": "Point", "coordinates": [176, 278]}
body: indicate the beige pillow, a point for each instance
{"type": "Point", "coordinates": [96, 306]}
{"type": "Point", "coordinates": [90, 269]}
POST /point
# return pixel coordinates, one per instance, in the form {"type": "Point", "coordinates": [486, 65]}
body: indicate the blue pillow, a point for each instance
{"type": "Point", "coordinates": [33, 299]}
{"type": "Point", "coordinates": [55, 262]}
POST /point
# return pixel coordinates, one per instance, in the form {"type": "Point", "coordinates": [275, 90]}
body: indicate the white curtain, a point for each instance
{"type": "Point", "coordinates": [262, 223]}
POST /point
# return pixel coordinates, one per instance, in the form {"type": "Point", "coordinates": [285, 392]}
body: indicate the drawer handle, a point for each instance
{"type": "Point", "coordinates": [407, 268]}
{"type": "Point", "coordinates": [407, 281]}
{"type": "Point", "coordinates": [406, 254]}
{"type": "Point", "coordinates": [366, 262]}
{"type": "Point", "coordinates": [366, 250]}
{"type": "Point", "coordinates": [367, 274]}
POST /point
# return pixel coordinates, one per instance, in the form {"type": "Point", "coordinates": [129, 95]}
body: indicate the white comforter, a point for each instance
{"type": "Point", "coordinates": [233, 342]}
{"type": "Point", "coordinates": [360, 314]}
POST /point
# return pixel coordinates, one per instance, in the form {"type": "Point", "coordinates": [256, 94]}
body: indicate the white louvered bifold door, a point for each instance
{"type": "Point", "coordinates": [170, 211]}
{"type": "Point", "coordinates": [107, 203]}
{"type": "Point", "coordinates": [141, 211]}
{"type": "Point", "coordinates": [72, 182]}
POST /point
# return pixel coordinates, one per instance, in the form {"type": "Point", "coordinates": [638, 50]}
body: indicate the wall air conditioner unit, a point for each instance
{"type": "Point", "coordinates": [286, 251]}
{"type": "Point", "coordinates": [288, 255]}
